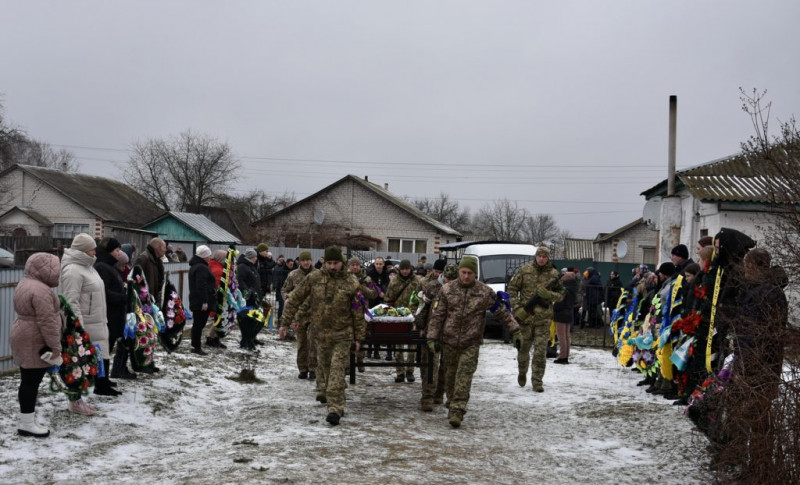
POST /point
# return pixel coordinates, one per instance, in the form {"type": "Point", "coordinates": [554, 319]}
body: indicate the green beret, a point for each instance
{"type": "Point", "coordinates": [305, 256]}
{"type": "Point", "coordinates": [405, 264]}
{"type": "Point", "coordinates": [469, 262]}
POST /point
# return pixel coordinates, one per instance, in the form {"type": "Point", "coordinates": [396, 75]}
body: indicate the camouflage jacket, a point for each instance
{"type": "Point", "coordinates": [430, 289]}
{"type": "Point", "coordinates": [400, 290]}
{"type": "Point", "coordinates": [293, 281]}
{"type": "Point", "coordinates": [525, 284]}
{"type": "Point", "coordinates": [331, 299]}
{"type": "Point", "coordinates": [368, 288]}
{"type": "Point", "coordinates": [459, 314]}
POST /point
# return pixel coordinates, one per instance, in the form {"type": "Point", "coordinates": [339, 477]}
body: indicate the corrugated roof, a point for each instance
{"type": "Point", "coordinates": [730, 179]}
{"type": "Point", "coordinates": [108, 199]}
{"type": "Point", "coordinates": [202, 225]}
{"type": "Point", "coordinates": [578, 249]}
{"type": "Point", "coordinates": [606, 236]}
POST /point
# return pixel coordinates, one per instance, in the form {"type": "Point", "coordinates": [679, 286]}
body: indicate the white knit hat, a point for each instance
{"type": "Point", "coordinates": [83, 242]}
{"type": "Point", "coordinates": [203, 251]}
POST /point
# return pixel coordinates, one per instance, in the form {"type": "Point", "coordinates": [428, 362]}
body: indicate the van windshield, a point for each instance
{"type": "Point", "coordinates": [493, 268]}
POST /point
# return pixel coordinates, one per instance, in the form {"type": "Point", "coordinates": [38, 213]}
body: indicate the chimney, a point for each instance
{"type": "Point", "coordinates": [64, 167]}
{"type": "Point", "coordinates": [673, 122]}
{"type": "Point", "coordinates": [386, 186]}
{"type": "Point", "coordinates": [366, 178]}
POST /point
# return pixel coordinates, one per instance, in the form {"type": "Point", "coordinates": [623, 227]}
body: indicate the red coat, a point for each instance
{"type": "Point", "coordinates": [217, 269]}
{"type": "Point", "coordinates": [38, 322]}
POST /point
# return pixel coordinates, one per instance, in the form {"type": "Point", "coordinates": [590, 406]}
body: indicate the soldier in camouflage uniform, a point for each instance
{"type": "Point", "coordinates": [331, 293]}
{"type": "Point", "coordinates": [306, 353]}
{"type": "Point", "coordinates": [458, 319]}
{"type": "Point", "coordinates": [430, 291]}
{"type": "Point", "coordinates": [398, 294]}
{"type": "Point", "coordinates": [370, 291]}
{"type": "Point", "coordinates": [541, 279]}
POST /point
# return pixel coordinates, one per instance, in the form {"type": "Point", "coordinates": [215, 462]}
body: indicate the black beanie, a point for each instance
{"type": "Point", "coordinates": [681, 251]}
{"type": "Point", "coordinates": [667, 269]}
{"type": "Point", "coordinates": [110, 244]}
{"type": "Point", "coordinates": [439, 264]}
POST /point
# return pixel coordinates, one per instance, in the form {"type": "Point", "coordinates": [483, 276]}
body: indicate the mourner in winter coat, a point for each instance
{"type": "Point", "coordinates": [116, 304]}
{"type": "Point", "coordinates": [38, 326]}
{"type": "Point", "coordinates": [248, 278]}
{"type": "Point", "coordinates": [153, 267]}
{"type": "Point", "coordinates": [202, 291]}
{"type": "Point", "coordinates": [306, 351]}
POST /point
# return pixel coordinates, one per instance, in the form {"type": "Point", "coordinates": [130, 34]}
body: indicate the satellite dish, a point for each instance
{"type": "Point", "coordinates": [622, 249]}
{"type": "Point", "coordinates": [651, 214]}
{"type": "Point", "coordinates": [319, 217]}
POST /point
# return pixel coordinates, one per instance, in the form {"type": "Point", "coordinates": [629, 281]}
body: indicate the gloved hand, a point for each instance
{"type": "Point", "coordinates": [433, 346]}
{"type": "Point", "coordinates": [51, 359]}
{"type": "Point", "coordinates": [520, 314]}
{"type": "Point", "coordinates": [543, 293]}
{"type": "Point", "coordinates": [516, 339]}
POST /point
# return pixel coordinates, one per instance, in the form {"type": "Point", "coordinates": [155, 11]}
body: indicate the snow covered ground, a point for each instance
{"type": "Point", "coordinates": [193, 424]}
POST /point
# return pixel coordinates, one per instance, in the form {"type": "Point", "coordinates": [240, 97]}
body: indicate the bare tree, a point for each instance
{"type": "Point", "coordinates": [17, 148]}
{"type": "Point", "coordinates": [445, 210]}
{"type": "Point", "coordinates": [503, 220]}
{"type": "Point", "coordinates": [183, 172]}
{"type": "Point", "coordinates": [541, 228]}
{"type": "Point", "coordinates": [256, 204]}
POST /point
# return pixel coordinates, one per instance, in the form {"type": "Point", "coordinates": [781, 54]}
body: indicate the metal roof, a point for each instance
{"type": "Point", "coordinates": [578, 249]}
{"type": "Point", "coordinates": [204, 226]}
{"type": "Point", "coordinates": [730, 179]}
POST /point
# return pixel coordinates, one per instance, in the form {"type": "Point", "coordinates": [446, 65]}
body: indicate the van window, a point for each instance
{"type": "Point", "coordinates": [493, 268]}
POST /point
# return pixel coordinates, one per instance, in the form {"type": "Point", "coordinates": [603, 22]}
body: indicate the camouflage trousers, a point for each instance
{"type": "Point", "coordinates": [536, 335]}
{"type": "Point", "coordinates": [429, 388]}
{"type": "Point", "coordinates": [306, 351]}
{"type": "Point", "coordinates": [403, 358]}
{"type": "Point", "coordinates": [332, 359]}
{"type": "Point", "coordinates": [460, 365]}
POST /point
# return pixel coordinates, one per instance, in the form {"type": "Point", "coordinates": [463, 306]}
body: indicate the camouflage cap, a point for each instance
{"type": "Point", "coordinates": [305, 255]}
{"type": "Point", "coordinates": [450, 271]}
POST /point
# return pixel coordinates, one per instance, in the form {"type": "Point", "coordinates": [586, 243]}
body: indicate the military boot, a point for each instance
{"type": "Point", "coordinates": [426, 406]}
{"type": "Point", "coordinates": [538, 387]}
{"type": "Point", "coordinates": [321, 397]}
{"type": "Point", "coordinates": [454, 418]}
{"type": "Point", "coordinates": [522, 379]}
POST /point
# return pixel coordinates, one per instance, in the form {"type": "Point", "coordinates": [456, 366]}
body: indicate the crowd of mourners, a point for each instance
{"type": "Point", "coordinates": [688, 327]}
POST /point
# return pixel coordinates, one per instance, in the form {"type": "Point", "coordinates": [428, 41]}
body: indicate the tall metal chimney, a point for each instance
{"type": "Point", "coordinates": [386, 186]}
{"type": "Point", "coordinates": [673, 123]}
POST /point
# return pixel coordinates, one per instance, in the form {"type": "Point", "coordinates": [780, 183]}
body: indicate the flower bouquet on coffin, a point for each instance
{"type": "Point", "coordinates": [174, 318]}
{"type": "Point", "coordinates": [229, 298]}
{"type": "Point", "coordinates": [141, 326]}
{"type": "Point", "coordinates": [80, 363]}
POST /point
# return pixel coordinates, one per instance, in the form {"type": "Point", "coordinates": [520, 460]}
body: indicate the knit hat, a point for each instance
{"type": "Point", "coordinates": [83, 242]}
{"type": "Point", "coordinates": [405, 264]}
{"type": "Point", "coordinates": [354, 260]}
{"type": "Point", "coordinates": [450, 271]}
{"type": "Point", "coordinates": [543, 251]}
{"type": "Point", "coordinates": [469, 262]}
{"type": "Point", "coordinates": [305, 256]}
{"type": "Point", "coordinates": [123, 259]}
{"type": "Point", "coordinates": [681, 251]}
{"type": "Point", "coordinates": [667, 269]}
{"type": "Point", "coordinates": [220, 255]}
{"type": "Point", "coordinates": [428, 266]}
{"type": "Point", "coordinates": [439, 264]}
{"type": "Point", "coordinates": [262, 247]}
{"type": "Point", "coordinates": [203, 251]}
{"type": "Point", "coordinates": [250, 253]}
{"type": "Point", "coordinates": [333, 253]}
{"type": "Point", "coordinates": [127, 249]}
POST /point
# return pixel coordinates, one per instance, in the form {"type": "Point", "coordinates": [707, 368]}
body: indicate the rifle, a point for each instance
{"type": "Point", "coordinates": [538, 301]}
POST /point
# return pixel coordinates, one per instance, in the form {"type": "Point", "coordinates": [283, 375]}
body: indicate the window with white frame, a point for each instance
{"type": "Point", "coordinates": [397, 245]}
{"type": "Point", "coordinates": [68, 231]}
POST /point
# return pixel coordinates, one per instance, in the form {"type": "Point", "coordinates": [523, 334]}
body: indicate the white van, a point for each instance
{"type": "Point", "coordinates": [497, 262]}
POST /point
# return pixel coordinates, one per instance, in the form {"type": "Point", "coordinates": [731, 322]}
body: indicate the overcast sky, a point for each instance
{"type": "Point", "coordinates": [561, 106]}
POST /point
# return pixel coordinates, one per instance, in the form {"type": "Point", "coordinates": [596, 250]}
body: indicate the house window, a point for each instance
{"type": "Point", "coordinates": [649, 256]}
{"type": "Point", "coordinates": [703, 232]}
{"type": "Point", "coordinates": [68, 231]}
{"type": "Point", "coordinates": [408, 245]}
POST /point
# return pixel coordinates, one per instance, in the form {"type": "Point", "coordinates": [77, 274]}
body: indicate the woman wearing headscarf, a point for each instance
{"type": "Point", "coordinates": [38, 325]}
{"type": "Point", "coordinates": [83, 288]}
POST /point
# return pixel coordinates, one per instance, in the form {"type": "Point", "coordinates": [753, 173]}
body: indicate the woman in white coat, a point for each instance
{"type": "Point", "coordinates": [83, 288]}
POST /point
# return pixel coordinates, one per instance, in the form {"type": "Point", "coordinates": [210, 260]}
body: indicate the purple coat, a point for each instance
{"type": "Point", "coordinates": [38, 322]}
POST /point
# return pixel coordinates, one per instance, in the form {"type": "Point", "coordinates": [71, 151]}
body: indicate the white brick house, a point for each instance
{"type": "Point", "coordinates": [36, 200]}
{"type": "Point", "coordinates": [356, 213]}
{"type": "Point", "coordinates": [638, 239]}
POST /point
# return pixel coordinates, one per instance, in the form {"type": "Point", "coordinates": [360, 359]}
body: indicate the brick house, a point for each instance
{"type": "Point", "coordinates": [39, 201]}
{"type": "Point", "coordinates": [636, 240]}
{"type": "Point", "coordinates": [359, 214]}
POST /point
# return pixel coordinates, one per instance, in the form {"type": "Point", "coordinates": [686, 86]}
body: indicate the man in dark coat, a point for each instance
{"type": "Point", "coordinates": [265, 264]}
{"type": "Point", "coordinates": [593, 296]}
{"type": "Point", "coordinates": [153, 267]}
{"type": "Point", "coordinates": [248, 278]}
{"type": "Point", "coordinates": [563, 315]}
{"type": "Point", "coordinates": [202, 289]}
{"type": "Point", "coordinates": [380, 276]}
{"type": "Point", "coordinates": [613, 290]}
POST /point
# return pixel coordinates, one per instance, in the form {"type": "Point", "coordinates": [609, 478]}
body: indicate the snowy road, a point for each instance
{"type": "Point", "coordinates": [193, 424]}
